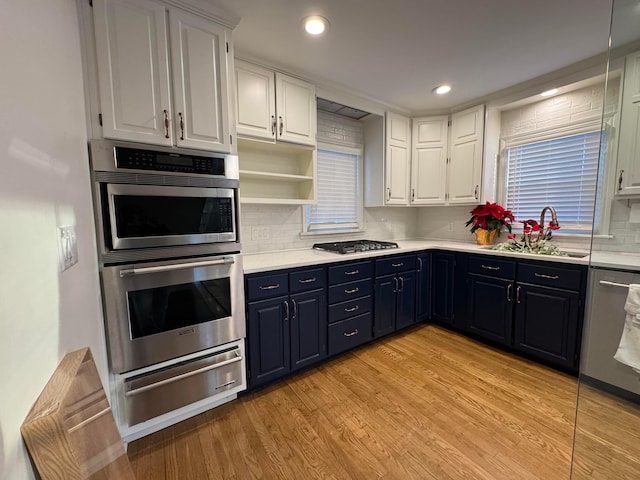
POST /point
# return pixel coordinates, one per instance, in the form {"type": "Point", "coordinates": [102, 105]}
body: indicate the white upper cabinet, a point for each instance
{"type": "Point", "coordinates": [132, 56]}
{"type": "Point", "coordinates": [398, 159]}
{"type": "Point", "coordinates": [628, 166]}
{"type": "Point", "coordinates": [429, 160]}
{"type": "Point", "coordinates": [256, 101]}
{"type": "Point", "coordinates": [134, 66]}
{"type": "Point", "coordinates": [273, 106]}
{"type": "Point", "coordinates": [465, 164]}
{"type": "Point", "coordinates": [200, 96]}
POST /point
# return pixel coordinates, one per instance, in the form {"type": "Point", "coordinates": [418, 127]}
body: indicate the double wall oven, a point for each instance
{"type": "Point", "coordinates": [172, 278]}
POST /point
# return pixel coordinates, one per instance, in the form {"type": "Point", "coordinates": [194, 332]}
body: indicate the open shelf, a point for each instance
{"type": "Point", "coordinates": [276, 173]}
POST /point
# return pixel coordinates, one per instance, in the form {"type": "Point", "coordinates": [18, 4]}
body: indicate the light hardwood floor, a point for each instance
{"type": "Point", "coordinates": [424, 404]}
{"type": "Point", "coordinates": [607, 440]}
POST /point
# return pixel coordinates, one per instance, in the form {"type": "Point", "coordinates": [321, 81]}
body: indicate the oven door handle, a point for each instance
{"type": "Point", "coordinates": [151, 386]}
{"type": "Point", "coordinates": [175, 266]}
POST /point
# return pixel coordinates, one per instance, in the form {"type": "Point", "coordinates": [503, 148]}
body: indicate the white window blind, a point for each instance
{"type": "Point", "coordinates": [561, 172]}
{"type": "Point", "coordinates": [339, 197]}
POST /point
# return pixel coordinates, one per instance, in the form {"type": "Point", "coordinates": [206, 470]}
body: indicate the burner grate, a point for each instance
{"type": "Point", "coordinates": [354, 246]}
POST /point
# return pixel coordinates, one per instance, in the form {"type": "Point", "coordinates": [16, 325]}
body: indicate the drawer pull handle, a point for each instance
{"type": "Point", "coordinates": [357, 307]}
{"type": "Point", "coordinates": [308, 280]}
{"type": "Point", "coordinates": [488, 267]}
{"type": "Point", "coordinates": [354, 290]}
{"type": "Point", "coordinates": [225, 384]}
{"type": "Point", "coordinates": [269, 287]}
{"type": "Point", "coordinates": [353, 272]}
{"type": "Point", "coordinates": [351, 334]}
{"type": "Point", "coordinates": [550, 277]}
{"type": "Point", "coordinates": [396, 265]}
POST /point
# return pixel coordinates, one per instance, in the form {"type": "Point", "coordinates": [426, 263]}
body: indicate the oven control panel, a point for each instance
{"type": "Point", "coordinates": [168, 162]}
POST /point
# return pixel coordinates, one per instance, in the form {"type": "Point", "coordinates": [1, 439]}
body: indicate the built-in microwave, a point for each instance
{"type": "Point", "coordinates": [158, 202]}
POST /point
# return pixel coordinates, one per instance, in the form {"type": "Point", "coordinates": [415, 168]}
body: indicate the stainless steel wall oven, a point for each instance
{"type": "Point", "coordinates": [172, 280]}
{"type": "Point", "coordinates": [156, 202]}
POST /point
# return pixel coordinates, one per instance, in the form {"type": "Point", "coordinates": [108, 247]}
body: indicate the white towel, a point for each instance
{"type": "Point", "coordinates": [629, 347]}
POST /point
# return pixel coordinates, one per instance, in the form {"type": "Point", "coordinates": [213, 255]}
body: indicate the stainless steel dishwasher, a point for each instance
{"type": "Point", "coordinates": [603, 328]}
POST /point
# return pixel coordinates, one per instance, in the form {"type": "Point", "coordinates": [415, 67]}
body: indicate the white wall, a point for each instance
{"type": "Point", "coordinates": [44, 184]}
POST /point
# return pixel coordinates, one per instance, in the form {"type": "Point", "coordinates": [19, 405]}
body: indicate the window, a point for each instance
{"type": "Point", "coordinates": [562, 172]}
{"type": "Point", "coordinates": [339, 207]}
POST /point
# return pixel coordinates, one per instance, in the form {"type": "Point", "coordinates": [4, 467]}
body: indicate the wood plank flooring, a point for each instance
{"type": "Point", "coordinates": [424, 404]}
{"type": "Point", "coordinates": [607, 440]}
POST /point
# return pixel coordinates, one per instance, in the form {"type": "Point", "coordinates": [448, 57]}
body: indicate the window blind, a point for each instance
{"type": "Point", "coordinates": [561, 172]}
{"type": "Point", "coordinates": [339, 195]}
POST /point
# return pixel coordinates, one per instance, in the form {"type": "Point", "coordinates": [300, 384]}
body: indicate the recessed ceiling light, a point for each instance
{"type": "Point", "coordinates": [315, 24]}
{"type": "Point", "coordinates": [548, 93]}
{"type": "Point", "coordinates": [442, 89]}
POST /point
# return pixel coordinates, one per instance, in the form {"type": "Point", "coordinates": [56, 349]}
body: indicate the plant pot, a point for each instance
{"type": "Point", "coordinates": [485, 237]}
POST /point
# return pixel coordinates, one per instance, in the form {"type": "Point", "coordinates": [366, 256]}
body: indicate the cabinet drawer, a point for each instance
{"type": "Point", "coordinates": [349, 333]}
{"type": "Point", "coordinates": [347, 309]}
{"type": "Point", "coordinates": [566, 278]}
{"type": "Point", "coordinates": [307, 280]}
{"type": "Point", "coordinates": [152, 394]}
{"type": "Point", "coordinates": [492, 267]}
{"type": "Point", "coordinates": [350, 272]}
{"type": "Point", "coordinates": [347, 291]}
{"type": "Point", "coordinates": [267, 286]}
{"type": "Point", "coordinates": [399, 263]}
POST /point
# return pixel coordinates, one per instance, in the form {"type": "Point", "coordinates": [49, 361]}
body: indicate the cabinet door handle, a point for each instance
{"type": "Point", "coordinates": [353, 290]}
{"type": "Point", "coordinates": [476, 191]}
{"type": "Point", "coordinates": [518, 294]}
{"type": "Point", "coordinates": [166, 124]}
{"type": "Point", "coordinates": [269, 287]}
{"type": "Point", "coordinates": [488, 267]}
{"type": "Point", "coordinates": [181, 125]}
{"type": "Point", "coordinates": [388, 193]}
{"type": "Point", "coordinates": [401, 285]}
{"type": "Point", "coordinates": [550, 277]}
{"type": "Point", "coordinates": [295, 309]}
{"type": "Point", "coordinates": [352, 272]}
{"type": "Point", "coordinates": [395, 279]}
{"type": "Point", "coordinates": [308, 280]}
{"type": "Point", "coordinates": [509, 293]}
{"type": "Point", "coordinates": [351, 334]}
{"type": "Point", "coordinates": [357, 307]}
{"type": "Point", "coordinates": [620, 180]}
{"type": "Point", "coordinates": [281, 125]}
{"type": "Point", "coordinates": [397, 265]}
{"type": "Point", "coordinates": [413, 194]}
{"type": "Point", "coordinates": [419, 264]}
{"type": "Point", "coordinates": [286, 311]}
{"type": "Point", "coordinates": [273, 124]}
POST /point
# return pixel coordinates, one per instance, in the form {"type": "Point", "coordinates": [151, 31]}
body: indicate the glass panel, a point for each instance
{"type": "Point", "coordinates": [607, 433]}
{"type": "Point", "coordinates": [147, 216]}
{"type": "Point", "coordinates": [157, 310]}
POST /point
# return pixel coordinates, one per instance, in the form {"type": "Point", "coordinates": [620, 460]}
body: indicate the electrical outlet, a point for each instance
{"type": "Point", "coordinates": [67, 247]}
{"type": "Point", "coordinates": [637, 236]}
{"type": "Point", "coordinates": [260, 233]}
{"type": "Point", "coordinates": [450, 227]}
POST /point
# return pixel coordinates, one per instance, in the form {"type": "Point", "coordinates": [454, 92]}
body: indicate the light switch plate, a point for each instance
{"type": "Point", "coordinates": [67, 246]}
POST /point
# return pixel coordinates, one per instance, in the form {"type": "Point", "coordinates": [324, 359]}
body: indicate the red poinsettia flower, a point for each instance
{"type": "Point", "coordinates": [536, 228]}
{"type": "Point", "coordinates": [527, 229]}
{"type": "Point", "coordinates": [554, 227]}
{"type": "Point", "coordinates": [490, 216]}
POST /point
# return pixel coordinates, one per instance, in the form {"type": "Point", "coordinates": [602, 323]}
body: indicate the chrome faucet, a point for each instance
{"type": "Point", "coordinates": [554, 221]}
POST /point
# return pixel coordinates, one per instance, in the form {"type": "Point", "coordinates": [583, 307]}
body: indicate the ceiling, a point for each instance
{"type": "Point", "coordinates": [397, 51]}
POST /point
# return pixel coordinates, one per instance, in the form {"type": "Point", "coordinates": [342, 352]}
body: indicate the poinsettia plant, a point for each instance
{"type": "Point", "coordinates": [490, 216]}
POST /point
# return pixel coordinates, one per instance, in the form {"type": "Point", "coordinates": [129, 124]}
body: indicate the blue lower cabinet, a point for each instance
{"type": "Point", "coordinates": [269, 343]}
{"type": "Point", "coordinates": [395, 303]}
{"type": "Point", "coordinates": [547, 324]}
{"type": "Point", "coordinates": [308, 328]}
{"type": "Point", "coordinates": [350, 333]}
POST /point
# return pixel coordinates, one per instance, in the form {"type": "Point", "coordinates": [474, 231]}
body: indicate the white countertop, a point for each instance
{"type": "Point", "coordinates": [616, 260]}
{"type": "Point", "coordinates": [267, 261]}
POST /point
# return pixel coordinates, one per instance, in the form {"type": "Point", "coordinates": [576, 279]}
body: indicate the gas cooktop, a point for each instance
{"type": "Point", "coordinates": [354, 246]}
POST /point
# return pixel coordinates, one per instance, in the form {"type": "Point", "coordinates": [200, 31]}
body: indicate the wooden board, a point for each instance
{"type": "Point", "coordinates": [70, 432]}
